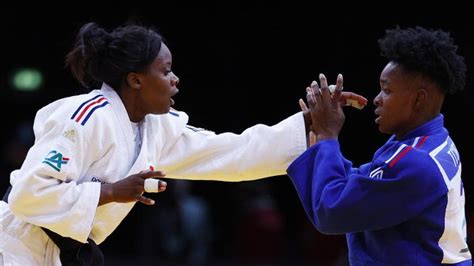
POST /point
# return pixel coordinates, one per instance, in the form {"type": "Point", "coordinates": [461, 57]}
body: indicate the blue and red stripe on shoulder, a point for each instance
{"type": "Point", "coordinates": [87, 108]}
{"type": "Point", "coordinates": [401, 152]}
{"type": "Point", "coordinates": [399, 156]}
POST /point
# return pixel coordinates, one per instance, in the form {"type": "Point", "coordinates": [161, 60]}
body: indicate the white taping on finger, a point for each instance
{"type": "Point", "coordinates": [152, 185]}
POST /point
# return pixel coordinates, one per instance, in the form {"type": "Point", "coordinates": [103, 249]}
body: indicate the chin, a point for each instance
{"type": "Point", "coordinates": [382, 130]}
{"type": "Point", "coordinates": [386, 131]}
{"type": "Point", "coordinates": [164, 109]}
{"type": "Point", "coordinates": [161, 111]}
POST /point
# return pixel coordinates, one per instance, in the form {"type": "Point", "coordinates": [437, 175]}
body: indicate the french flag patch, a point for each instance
{"type": "Point", "coordinates": [87, 108]}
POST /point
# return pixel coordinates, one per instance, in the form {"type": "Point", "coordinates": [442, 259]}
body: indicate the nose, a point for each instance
{"type": "Point", "coordinates": [377, 100]}
{"type": "Point", "coordinates": [174, 80]}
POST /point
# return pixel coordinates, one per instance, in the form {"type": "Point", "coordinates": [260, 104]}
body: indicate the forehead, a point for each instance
{"type": "Point", "coordinates": [396, 77]}
{"type": "Point", "coordinates": [394, 74]}
{"type": "Point", "coordinates": [165, 53]}
{"type": "Point", "coordinates": [163, 58]}
{"type": "Point", "coordinates": [391, 72]}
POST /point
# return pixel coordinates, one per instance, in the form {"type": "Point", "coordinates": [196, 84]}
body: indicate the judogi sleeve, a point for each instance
{"type": "Point", "coordinates": [340, 199]}
{"type": "Point", "coordinates": [45, 189]}
{"type": "Point", "coordinates": [259, 151]}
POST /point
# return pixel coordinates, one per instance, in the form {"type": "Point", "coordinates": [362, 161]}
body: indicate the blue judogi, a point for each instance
{"type": "Point", "coordinates": [406, 207]}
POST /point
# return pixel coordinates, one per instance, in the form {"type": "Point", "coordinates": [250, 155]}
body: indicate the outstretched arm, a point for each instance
{"type": "Point", "coordinates": [259, 151]}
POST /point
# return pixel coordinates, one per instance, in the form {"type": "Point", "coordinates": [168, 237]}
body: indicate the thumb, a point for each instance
{"type": "Point", "coordinates": [145, 200]}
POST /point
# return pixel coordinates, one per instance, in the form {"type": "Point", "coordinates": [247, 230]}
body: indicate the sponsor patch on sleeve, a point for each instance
{"type": "Point", "coordinates": [55, 160]}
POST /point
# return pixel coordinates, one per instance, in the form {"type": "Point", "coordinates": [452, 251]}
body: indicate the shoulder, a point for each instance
{"type": "Point", "coordinates": [441, 151]}
{"type": "Point", "coordinates": [75, 111]}
{"type": "Point", "coordinates": [167, 127]}
{"type": "Point", "coordinates": [410, 158]}
{"type": "Point", "coordinates": [179, 120]}
{"type": "Point", "coordinates": [446, 156]}
{"type": "Point", "coordinates": [417, 159]}
{"type": "Point", "coordinates": [86, 108]}
{"type": "Point", "coordinates": [174, 120]}
{"type": "Point", "coordinates": [173, 124]}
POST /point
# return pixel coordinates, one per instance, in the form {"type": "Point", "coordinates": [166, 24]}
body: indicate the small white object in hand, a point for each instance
{"type": "Point", "coordinates": [349, 102]}
{"type": "Point", "coordinates": [354, 103]}
{"type": "Point", "coordinates": [152, 185]}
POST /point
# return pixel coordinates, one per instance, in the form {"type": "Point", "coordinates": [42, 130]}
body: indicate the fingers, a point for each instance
{"type": "Point", "coordinates": [314, 85]}
{"type": "Point", "coordinates": [303, 105]}
{"type": "Point", "coordinates": [162, 186]}
{"type": "Point", "coordinates": [350, 96]}
{"type": "Point", "coordinates": [339, 82]}
{"type": "Point", "coordinates": [323, 80]}
{"type": "Point", "coordinates": [338, 89]}
{"type": "Point", "coordinates": [332, 94]}
{"type": "Point", "coordinates": [310, 97]}
{"type": "Point", "coordinates": [324, 91]}
{"type": "Point", "coordinates": [145, 200]}
{"type": "Point", "coordinates": [152, 174]}
{"type": "Point", "coordinates": [152, 185]}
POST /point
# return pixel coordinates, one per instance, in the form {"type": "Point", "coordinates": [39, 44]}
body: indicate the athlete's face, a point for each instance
{"type": "Point", "coordinates": [158, 84]}
{"type": "Point", "coordinates": [396, 101]}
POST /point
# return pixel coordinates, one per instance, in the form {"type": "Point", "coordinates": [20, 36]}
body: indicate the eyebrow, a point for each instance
{"type": "Point", "coordinates": [164, 64]}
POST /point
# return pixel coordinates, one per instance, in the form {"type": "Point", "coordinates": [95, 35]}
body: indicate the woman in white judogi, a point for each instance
{"type": "Point", "coordinates": [87, 167]}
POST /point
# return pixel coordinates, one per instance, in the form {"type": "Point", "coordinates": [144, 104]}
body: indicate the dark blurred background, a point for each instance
{"type": "Point", "coordinates": [240, 63]}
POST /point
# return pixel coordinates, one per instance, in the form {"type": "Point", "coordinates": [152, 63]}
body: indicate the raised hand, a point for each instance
{"type": "Point", "coordinates": [326, 108]}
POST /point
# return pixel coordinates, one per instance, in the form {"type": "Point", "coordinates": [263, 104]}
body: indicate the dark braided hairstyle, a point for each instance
{"type": "Point", "coordinates": [431, 53]}
{"type": "Point", "coordinates": [99, 56]}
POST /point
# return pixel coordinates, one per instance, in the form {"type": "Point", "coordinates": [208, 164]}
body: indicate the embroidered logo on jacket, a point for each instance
{"type": "Point", "coordinates": [70, 135]}
{"type": "Point", "coordinates": [55, 160]}
{"type": "Point", "coordinates": [377, 173]}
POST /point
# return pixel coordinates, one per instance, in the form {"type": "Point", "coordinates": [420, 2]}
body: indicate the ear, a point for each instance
{"type": "Point", "coordinates": [421, 98]}
{"type": "Point", "coordinates": [133, 80]}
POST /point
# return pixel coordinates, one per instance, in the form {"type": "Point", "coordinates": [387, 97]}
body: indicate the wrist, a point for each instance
{"type": "Point", "coordinates": [307, 121]}
{"type": "Point", "coordinates": [106, 194]}
{"type": "Point", "coordinates": [323, 136]}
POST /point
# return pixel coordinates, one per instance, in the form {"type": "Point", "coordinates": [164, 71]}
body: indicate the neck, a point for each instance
{"type": "Point", "coordinates": [420, 118]}
{"type": "Point", "coordinates": [129, 100]}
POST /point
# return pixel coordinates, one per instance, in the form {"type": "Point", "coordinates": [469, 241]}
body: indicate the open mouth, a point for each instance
{"type": "Point", "coordinates": [171, 99]}
{"type": "Point", "coordinates": [377, 117]}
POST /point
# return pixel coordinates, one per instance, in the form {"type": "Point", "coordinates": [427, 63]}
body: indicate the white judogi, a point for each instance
{"type": "Point", "coordinates": [87, 139]}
